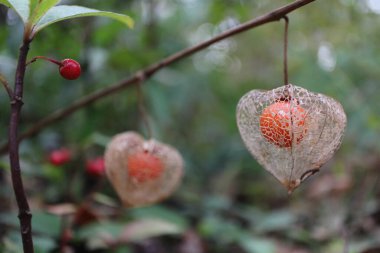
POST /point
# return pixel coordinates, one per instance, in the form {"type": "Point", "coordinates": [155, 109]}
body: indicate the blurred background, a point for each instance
{"type": "Point", "coordinates": [226, 202]}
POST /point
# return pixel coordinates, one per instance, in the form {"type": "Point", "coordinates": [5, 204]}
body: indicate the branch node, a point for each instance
{"type": "Point", "coordinates": [16, 99]}
{"type": "Point", "coordinates": [141, 76]}
{"type": "Point", "coordinates": [25, 213]}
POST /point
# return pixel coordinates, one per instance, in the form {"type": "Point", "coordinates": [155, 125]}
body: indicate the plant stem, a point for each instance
{"type": "Point", "coordinates": [272, 16]}
{"type": "Point", "coordinates": [286, 78]}
{"type": "Point", "coordinates": [44, 58]}
{"type": "Point", "coordinates": [141, 106]}
{"type": "Point", "coordinates": [24, 215]}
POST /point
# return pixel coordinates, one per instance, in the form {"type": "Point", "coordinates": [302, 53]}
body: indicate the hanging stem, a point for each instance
{"type": "Point", "coordinates": [44, 58]}
{"type": "Point", "coordinates": [141, 105]}
{"type": "Point", "coordinates": [286, 81]}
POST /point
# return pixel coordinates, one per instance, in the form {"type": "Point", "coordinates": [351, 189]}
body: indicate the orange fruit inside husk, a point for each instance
{"type": "Point", "coordinates": [283, 122]}
{"type": "Point", "coordinates": [144, 166]}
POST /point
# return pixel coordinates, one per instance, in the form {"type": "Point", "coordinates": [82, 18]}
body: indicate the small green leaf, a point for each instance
{"type": "Point", "coordinates": [40, 9]}
{"type": "Point", "coordinates": [5, 2]}
{"type": "Point", "coordinates": [21, 7]}
{"type": "Point", "coordinates": [63, 12]}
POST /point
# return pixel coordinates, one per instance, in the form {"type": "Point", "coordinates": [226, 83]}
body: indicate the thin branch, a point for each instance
{"type": "Point", "coordinates": [24, 215]}
{"type": "Point", "coordinates": [149, 71]}
{"type": "Point", "coordinates": [6, 86]}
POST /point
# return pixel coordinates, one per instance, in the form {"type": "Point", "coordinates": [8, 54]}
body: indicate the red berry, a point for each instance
{"type": "Point", "coordinates": [95, 166]}
{"type": "Point", "coordinates": [60, 156]}
{"type": "Point", "coordinates": [70, 69]}
{"type": "Point", "coordinates": [143, 166]}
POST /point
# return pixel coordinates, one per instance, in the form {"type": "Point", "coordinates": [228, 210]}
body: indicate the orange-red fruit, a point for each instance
{"type": "Point", "coordinates": [144, 166]}
{"type": "Point", "coordinates": [70, 69]}
{"type": "Point", "coordinates": [282, 122]}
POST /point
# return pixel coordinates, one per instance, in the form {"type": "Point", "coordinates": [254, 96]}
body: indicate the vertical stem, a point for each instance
{"type": "Point", "coordinates": [141, 105]}
{"type": "Point", "coordinates": [24, 215]}
{"type": "Point", "coordinates": [286, 81]}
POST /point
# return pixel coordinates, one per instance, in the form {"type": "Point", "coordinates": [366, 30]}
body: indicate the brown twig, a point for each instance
{"type": "Point", "coordinates": [24, 215]}
{"type": "Point", "coordinates": [149, 71]}
{"type": "Point", "coordinates": [6, 86]}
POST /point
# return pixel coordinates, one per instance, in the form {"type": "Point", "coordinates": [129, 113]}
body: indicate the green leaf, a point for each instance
{"type": "Point", "coordinates": [63, 12]}
{"type": "Point", "coordinates": [5, 2]}
{"type": "Point", "coordinates": [21, 7]}
{"type": "Point", "coordinates": [40, 9]}
{"type": "Point", "coordinates": [276, 221]}
{"type": "Point", "coordinates": [46, 224]}
{"type": "Point", "coordinates": [32, 6]}
{"type": "Point", "coordinates": [160, 212]}
{"type": "Point", "coordinates": [143, 229]}
{"type": "Point", "coordinates": [113, 229]}
{"type": "Point", "coordinates": [254, 245]}
{"type": "Point", "coordinates": [43, 244]}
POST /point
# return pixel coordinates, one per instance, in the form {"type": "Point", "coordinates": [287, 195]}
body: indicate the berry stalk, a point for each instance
{"type": "Point", "coordinates": [44, 58]}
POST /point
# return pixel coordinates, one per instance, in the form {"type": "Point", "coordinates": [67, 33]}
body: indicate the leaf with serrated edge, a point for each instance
{"type": "Point", "coordinates": [21, 7]}
{"type": "Point", "coordinates": [41, 9]}
{"type": "Point", "coordinates": [64, 12]}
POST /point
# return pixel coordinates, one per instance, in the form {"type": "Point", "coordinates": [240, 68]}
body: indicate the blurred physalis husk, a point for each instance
{"type": "Point", "coordinates": [142, 171]}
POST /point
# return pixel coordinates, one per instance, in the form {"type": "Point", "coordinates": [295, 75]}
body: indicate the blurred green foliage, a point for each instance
{"type": "Point", "coordinates": [226, 198]}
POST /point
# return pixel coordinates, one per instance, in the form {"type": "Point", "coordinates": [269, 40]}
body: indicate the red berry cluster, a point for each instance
{"type": "Point", "coordinates": [60, 157]}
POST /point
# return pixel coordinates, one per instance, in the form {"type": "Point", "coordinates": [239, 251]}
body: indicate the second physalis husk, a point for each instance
{"type": "Point", "coordinates": [142, 171]}
{"type": "Point", "coordinates": [290, 131]}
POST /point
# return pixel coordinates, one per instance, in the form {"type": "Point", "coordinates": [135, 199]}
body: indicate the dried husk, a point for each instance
{"type": "Point", "coordinates": [135, 193]}
{"type": "Point", "coordinates": [321, 132]}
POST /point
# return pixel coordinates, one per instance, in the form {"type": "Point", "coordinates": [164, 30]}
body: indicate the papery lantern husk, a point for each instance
{"type": "Point", "coordinates": [312, 142]}
{"type": "Point", "coordinates": [132, 192]}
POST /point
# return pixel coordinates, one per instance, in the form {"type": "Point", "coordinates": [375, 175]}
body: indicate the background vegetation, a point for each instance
{"type": "Point", "coordinates": [227, 202]}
